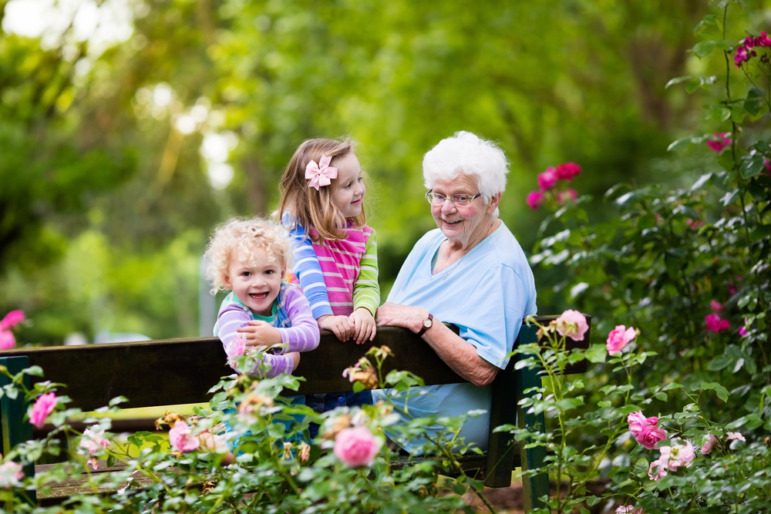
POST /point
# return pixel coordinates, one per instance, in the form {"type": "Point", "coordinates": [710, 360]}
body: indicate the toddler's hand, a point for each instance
{"type": "Point", "coordinates": [364, 326]}
{"type": "Point", "coordinates": [296, 358]}
{"type": "Point", "coordinates": [338, 325]}
{"type": "Point", "coordinates": [259, 333]}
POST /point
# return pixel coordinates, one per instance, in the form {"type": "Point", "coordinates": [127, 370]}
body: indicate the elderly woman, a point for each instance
{"type": "Point", "coordinates": [470, 272]}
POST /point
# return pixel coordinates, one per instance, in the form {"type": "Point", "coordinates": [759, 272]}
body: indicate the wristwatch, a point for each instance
{"type": "Point", "coordinates": [427, 323]}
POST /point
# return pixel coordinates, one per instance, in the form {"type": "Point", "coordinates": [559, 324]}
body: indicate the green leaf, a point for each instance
{"type": "Point", "coordinates": [720, 362]}
{"type": "Point", "coordinates": [704, 48]}
{"type": "Point", "coordinates": [721, 391]}
{"type": "Point", "coordinates": [596, 353]}
{"type": "Point", "coordinates": [752, 165]}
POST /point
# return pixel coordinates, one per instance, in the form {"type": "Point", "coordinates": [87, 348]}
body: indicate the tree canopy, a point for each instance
{"type": "Point", "coordinates": [107, 197]}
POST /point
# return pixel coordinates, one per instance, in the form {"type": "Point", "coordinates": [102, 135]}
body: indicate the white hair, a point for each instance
{"type": "Point", "coordinates": [465, 153]}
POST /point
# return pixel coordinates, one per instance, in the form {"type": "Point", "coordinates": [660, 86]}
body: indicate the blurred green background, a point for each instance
{"type": "Point", "coordinates": [129, 129]}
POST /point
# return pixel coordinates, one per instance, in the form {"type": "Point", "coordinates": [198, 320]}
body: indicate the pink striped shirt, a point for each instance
{"type": "Point", "coordinates": [340, 263]}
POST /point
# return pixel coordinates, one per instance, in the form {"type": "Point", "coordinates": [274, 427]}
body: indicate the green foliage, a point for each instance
{"type": "Point", "coordinates": [688, 267]}
{"type": "Point", "coordinates": [276, 466]}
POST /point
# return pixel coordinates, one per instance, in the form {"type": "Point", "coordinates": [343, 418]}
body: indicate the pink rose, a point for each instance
{"type": "Point", "coordinates": [628, 509]}
{"type": "Point", "coordinates": [742, 331]}
{"type": "Point", "coordinates": [44, 406]}
{"type": "Point", "coordinates": [572, 324]}
{"type": "Point", "coordinates": [10, 474]}
{"type": "Point", "coordinates": [535, 199]}
{"type": "Point", "coordinates": [568, 170]}
{"type": "Point", "coordinates": [236, 349]}
{"type": "Point", "coordinates": [7, 340]}
{"type": "Point", "coordinates": [650, 435]}
{"type": "Point", "coordinates": [767, 164]}
{"type": "Point", "coordinates": [11, 319]}
{"type": "Point", "coordinates": [735, 436]}
{"type": "Point", "coordinates": [568, 194]}
{"type": "Point", "coordinates": [547, 179]}
{"type": "Point", "coordinates": [708, 444]}
{"type": "Point", "coordinates": [637, 422]}
{"type": "Point", "coordinates": [720, 143]}
{"type": "Point", "coordinates": [181, 437]}
{"type": "Point", "coordinates": [93, 440]}
{"type": "Point", "coordinates": [677, 456]}
{"type": "Point", "coordinates": [356, 446]}
{"type": "Point", "coordinates": [715, 306]}
{"type": "Point", "coordinates": [715, 323]}
{"type": "Point", "coordinates": [619, 337]}
{"type": "Point", "coordinates": [657, 469]}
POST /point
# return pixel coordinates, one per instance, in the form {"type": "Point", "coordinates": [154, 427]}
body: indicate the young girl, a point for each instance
{"type": "Point", "coordinates": [250, 259]}
{"type": "Point", "coordinates": [322, 195]}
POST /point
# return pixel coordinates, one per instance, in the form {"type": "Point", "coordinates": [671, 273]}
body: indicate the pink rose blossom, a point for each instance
{"type": "Point", "coordinates": [715, 306]}
{"type": "Point", "coordinates": [572, 324]}
{"type": "Point", "coordinates": [735, 436]}
{"type": "Point", "coordinates": [44, 406]}
{"type": "Point", "coordinates": [535, 199]}
{"type": "Point", "coordinates": [356, 446]}
{"type": "Point", "coordinates": [568, 194]}
{"type": "Point", "coordinates": [7, 340]}
{"type": "Point", "coordinates": [657, 469]}
{"type": "Point", "coordinates": [742, 331]}
{"type": "Point", "coordinates": [768, 165]}
{"type": "Point", "coordinates": [628, 509]}
{"type": "Point", "coordinates": [637, 422]}
{"type": "Point", "coordinates": [11, 319]}
{"type": "Point", "coordinates": [547, 179]}
{"type": "Point", "coordinates": [181, 437]}
{"type": "Point", "coordinates": [10, 474]}
{"type": "Point", "coordinates": [708, 444]}
{"type": "Point", "coordinates": [568, 170]}
{"type": "Point", "coordinates": [236, 349]}
{"type": "Point", "coordinates": [93, 440]}
{"type": "Point", "coordinates": [719, 144]}
{"type": "Point", "coordinates": [715, 323]}
{"type": "Point", "coordinates": [677, 456]}
{"type": "Point", "coordinates": [619, 337]}
{"type": "Point", "coordinates": [650, 435]}
{"type": "Point", "coordinates": [214, 443]}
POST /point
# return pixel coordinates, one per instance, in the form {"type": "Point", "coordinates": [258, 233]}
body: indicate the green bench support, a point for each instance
{"type": "Point", "coordinates": [181, 371]}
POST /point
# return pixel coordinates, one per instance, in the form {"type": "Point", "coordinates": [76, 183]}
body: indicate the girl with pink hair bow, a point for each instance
{"type": "Point", "coordinates": [335, 252]}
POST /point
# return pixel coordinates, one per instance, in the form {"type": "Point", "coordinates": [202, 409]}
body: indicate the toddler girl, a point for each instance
{"type": "Point", "coordinates": [249, 258]}
{"type": "Point", "coordinates": [322, 196]}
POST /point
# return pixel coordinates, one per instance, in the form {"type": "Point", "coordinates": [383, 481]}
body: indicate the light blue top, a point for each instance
{"type": "Point", "coordinates": [486, 294]}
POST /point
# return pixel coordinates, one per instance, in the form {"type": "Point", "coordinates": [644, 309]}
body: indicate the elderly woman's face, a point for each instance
{"type": "Point", "coordinates": [461, 224]}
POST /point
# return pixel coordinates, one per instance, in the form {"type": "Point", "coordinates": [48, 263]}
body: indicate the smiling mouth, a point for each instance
{"type": "Point", "coordinates": [258, 296]}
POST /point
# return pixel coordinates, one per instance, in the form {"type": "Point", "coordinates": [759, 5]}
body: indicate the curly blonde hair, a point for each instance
{"type": "Point", "coordinates": [312, 208]}
{"type": "Point", "coordinates": [246, 236]}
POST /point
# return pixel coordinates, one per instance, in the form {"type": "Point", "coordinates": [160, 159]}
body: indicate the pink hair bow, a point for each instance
{"type": "Point", "coordinates": [320, 174]}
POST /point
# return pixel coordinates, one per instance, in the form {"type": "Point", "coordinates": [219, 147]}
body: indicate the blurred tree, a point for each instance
{"type": "Point", "coordinates": [106, 146]}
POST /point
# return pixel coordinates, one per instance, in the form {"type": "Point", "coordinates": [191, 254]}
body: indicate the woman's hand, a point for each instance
{"type": "Point", "coordinates": [395, 315]}
{"type": "Point", "coordinates": [364, 327]}
{"type": "Point", "coordinates": [338, 325]}
{"type": "Point", "coordinates": [259, 333]}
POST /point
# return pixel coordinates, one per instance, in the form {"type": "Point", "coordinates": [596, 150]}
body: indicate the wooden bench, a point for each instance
{"type": "Point", "coordinates": [181, 371]}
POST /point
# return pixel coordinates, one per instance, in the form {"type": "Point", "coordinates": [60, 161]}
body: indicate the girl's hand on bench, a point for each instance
{"type": "Point", "coordinates": [339, 325]}
{"type": "Point", "coordinates": [364, 326]}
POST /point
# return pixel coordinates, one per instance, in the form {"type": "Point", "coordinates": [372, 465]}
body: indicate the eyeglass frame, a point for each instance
{"type": "Point", "coordinates": [452, 198]}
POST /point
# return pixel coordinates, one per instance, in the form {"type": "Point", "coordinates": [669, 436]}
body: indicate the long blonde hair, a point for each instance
{"type": "Point", "coordinates": [309, 207]}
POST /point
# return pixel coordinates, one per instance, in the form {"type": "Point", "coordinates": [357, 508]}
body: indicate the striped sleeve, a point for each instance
{"type": "Point", "coordinates": [229, 320]}
{"type": "Point", "coordinates": [366, 290]}
{"type": "Point", "coordinates": [308, 271]}
{"type": "Point", "coordinates": [303, 334]}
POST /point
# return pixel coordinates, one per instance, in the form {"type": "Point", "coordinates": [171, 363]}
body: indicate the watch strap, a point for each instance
{"type": "Point", "coordinates": [426, 327]}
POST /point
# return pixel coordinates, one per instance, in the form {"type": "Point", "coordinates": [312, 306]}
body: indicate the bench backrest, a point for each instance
{"type": "Point", "coordinates": [180, 371]}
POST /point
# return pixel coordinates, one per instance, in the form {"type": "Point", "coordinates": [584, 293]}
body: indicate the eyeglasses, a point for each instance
{"type": "Point", "coordinates": [456, 200]}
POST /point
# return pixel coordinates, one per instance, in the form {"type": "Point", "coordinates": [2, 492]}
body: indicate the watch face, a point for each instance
{"type": "Point", "coordinates": [427, 323]}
